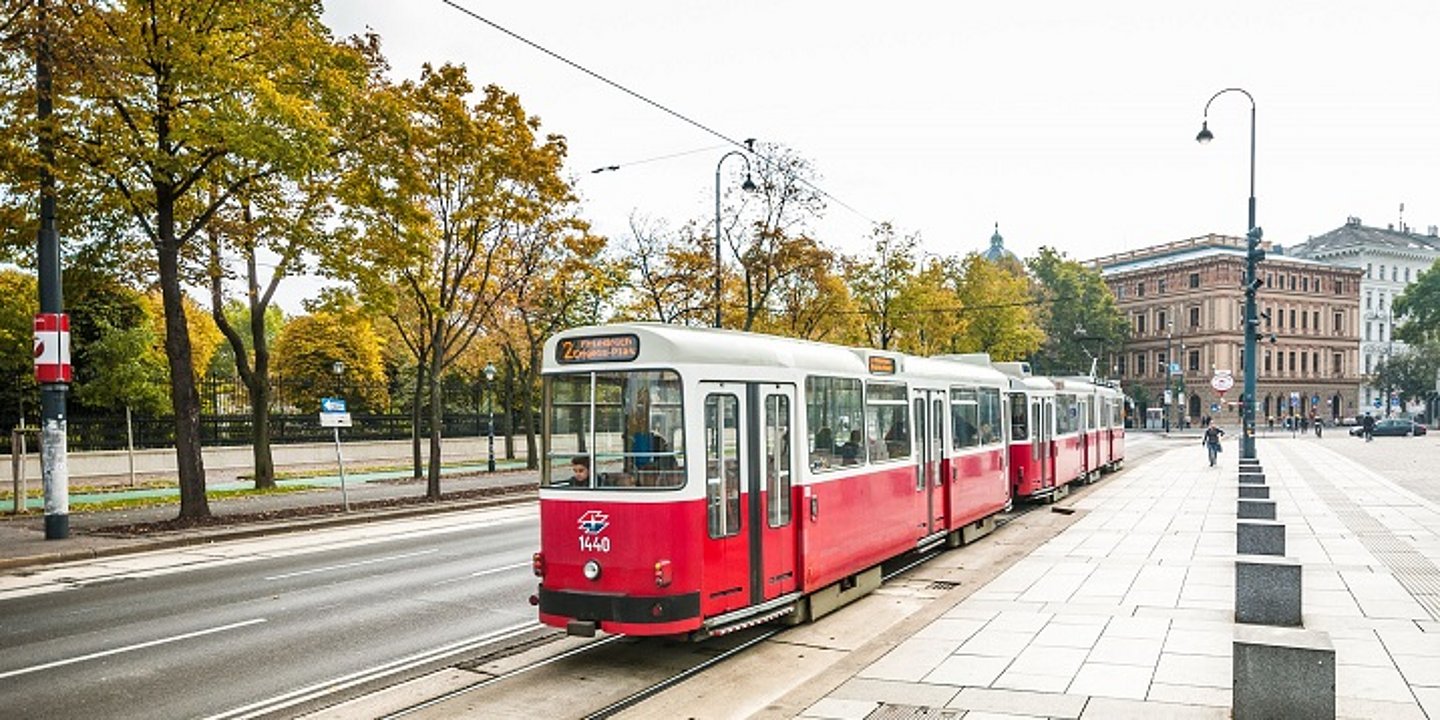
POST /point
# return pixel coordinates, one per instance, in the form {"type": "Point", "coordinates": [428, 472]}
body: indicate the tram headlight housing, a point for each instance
{"type": "Point", "coordinates": [663, 576]}
{"type": "Point", "coordinates": [591, 570]}
{"type": "Point", "coordinates": [537, 564]}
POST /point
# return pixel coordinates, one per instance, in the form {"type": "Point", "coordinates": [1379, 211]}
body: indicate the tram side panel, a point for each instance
{"type": "Point", "coordinates": [857, 521]}
{"type": "Point", "coordinates": [978, 486]}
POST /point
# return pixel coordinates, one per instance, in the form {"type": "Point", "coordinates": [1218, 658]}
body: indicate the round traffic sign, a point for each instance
{"type": "Point", "coordinates": [1222, 383]}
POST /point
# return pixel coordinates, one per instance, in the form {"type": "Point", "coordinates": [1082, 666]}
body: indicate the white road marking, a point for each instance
{"type": "Point", "coordinates": [357, 563]}
{"type": "Point", "coordinates": [502, 568]}
{"type": "Point", "coordinates": [128, 648]}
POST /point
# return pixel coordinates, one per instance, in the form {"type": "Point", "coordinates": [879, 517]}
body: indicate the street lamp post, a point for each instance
{"type": "Point", "coordinates": [490, 409]}
{"type": "Point", "coordinates": [1253, 256]}
{"type": "Point", "coordinates": [1169, 376]}
{"type": "Point", "coordinates": [748, 186]}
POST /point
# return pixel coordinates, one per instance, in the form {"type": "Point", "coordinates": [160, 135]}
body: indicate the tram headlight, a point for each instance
{"type": "Point", "coordinates": [592, 570]}
{"type": "Point", "coordinates": [537, 564]}
{"type": "Point", "coordinates": [663, 575]}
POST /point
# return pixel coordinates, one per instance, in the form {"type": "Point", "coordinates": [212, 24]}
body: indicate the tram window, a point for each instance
{"type": "Point", "coordinates": [887, 423]}
{"type": "Point", "coordinates": [1019, 424]}
{"type": "Point", "coordinates": [989, 416]}
{"type": "Point", "coordinates": [1067, 414]}
{"type": "Point", "coordinates": [834, 408]}
{"type": "Point", "coordinates": [777, 459]}
{"type": "Point", "coordinates": [965, 416]}
{"type": "Point", "coordinates": [629, 425]}
{"type": "Point", "coordinates": [722, 464]}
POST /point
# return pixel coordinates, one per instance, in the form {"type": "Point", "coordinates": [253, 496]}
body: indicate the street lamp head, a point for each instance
{"type": "Point", "coordinates": [749, 185]}
{"type": "Point", "coordinates": [338, 367]}
{"type": "Point", "coordinates": [1205, 135]}
{"type": "Point", "coordinates": [489, 372]}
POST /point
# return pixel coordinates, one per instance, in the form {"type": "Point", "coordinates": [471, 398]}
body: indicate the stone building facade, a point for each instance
{"type": "Point", "coordinates": [1391, 260]}
{"type": "Point", "coordinates": [1186, 304]}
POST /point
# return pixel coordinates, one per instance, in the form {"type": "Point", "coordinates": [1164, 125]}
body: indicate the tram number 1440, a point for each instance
{"type": "Point", "coordinates": [594, 544]}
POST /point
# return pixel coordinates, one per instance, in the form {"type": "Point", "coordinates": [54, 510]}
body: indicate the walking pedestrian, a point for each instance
{"type": "Point", "coordinates": [1212, 442]}
{"type": "Point", "coordinates": [1367, 426]}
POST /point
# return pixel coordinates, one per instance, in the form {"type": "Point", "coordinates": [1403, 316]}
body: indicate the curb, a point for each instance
{"type": "Point", "coordinates": [202, 537]}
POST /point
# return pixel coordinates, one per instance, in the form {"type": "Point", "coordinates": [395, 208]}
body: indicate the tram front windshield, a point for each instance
{"type": "Point", "coordinates": [620, 430]}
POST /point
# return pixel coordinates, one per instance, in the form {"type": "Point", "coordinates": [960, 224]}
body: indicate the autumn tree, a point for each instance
{"type": "Point", "coordinates": [879, 284]}
{"type": "Point", "coordinates": [435, 219]}
{"type": "Point", "coordinates": [768, 231]}
{"type": "Point", "coordinates": [671, 274]}
{"type": "Point", "coordinates": [170, 111]}
{"type": "Point", "coordinates": [308, 348]}
{"type": "Point", "coordinates": [1077, 312]}
{"type": "Point", "coordinates": [998, 310]}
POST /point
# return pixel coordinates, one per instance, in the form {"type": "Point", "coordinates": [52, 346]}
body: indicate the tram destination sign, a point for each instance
{"type": "Point", "coordinates": [597, 348]}
{"type": "Point", "coordinates": [882, 365]}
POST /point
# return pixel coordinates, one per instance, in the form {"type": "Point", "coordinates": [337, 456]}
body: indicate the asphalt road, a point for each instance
{"type": "Point", "coordinates": [223, 630]}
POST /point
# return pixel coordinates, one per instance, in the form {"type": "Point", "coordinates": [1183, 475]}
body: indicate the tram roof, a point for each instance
{"type": "Point", "coordinates": [665, 344]}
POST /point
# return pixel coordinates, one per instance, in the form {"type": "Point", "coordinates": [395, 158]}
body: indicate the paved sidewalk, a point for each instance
{"type": "Point", "coordinates": [1129, 612]}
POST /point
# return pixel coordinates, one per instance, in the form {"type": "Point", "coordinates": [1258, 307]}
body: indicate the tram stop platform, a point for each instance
{"type": "Point", "coordinates": [1129, 611]}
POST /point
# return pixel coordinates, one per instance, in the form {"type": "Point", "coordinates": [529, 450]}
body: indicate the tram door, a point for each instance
{"type": "Point", "coordinates": [726, 582]}
{"type": "Point", "coordinates": [1042, 450]}
{"type": "Point", "coordinates": [772, 526]}
{"type": "Point", "coordinates": [749, 469]}
{"type": "Point", "coordinates": [929, 407]}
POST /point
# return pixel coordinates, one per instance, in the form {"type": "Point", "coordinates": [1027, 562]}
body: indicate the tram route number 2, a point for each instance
{"type": "Point", "coordinates": [590, 543]}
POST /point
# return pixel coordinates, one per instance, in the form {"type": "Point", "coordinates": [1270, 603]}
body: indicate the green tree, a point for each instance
{"type": "Point", "coordinates": [1076, 311]}
{"type": "Point", "coordinates": [173, 110]}
{"type": "Point", "coordinates": [1417, 308]}
{"type": "Point", "coordinates": [774, 246]}
{"type": "Point", "coordinates": [1410, 373]}
{"type": "Point", "coordinates": [19, 300]}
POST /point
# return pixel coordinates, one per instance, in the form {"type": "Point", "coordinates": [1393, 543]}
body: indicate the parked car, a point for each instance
{"type": "Point", "coordinates": [1392, 426]}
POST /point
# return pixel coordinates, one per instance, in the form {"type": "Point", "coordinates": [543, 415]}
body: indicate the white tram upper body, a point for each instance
{"type": "Point", "coordinates": [697, 480]}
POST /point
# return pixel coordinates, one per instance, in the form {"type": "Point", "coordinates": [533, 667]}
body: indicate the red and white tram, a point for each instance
{"type": "Point", "coordinates": [697, 480]}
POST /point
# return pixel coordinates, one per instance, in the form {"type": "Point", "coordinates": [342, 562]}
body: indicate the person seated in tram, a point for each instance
{"type": "Point", "coordinates": [824, 448]}
{"type": "Point", "coordinates": [850, 451]}
{"type": "Point", "coordinates": [579, 471]}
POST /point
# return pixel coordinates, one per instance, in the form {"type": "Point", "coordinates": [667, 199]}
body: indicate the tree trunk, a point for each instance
{"type": "Point", "coordinates": [260, 441]}
{"type": "Point", "coordinates": [184, 397]}
{"type": "Point", "coordinates": [437, 416]}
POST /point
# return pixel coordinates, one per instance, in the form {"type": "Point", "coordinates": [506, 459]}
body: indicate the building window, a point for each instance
{"type": "Point", "coordinates": [1368, 272]}
{"type": "Point", "coordinates": [1194, 361]}
{"type": "Point", "coordinates": [1335, 364]}
{"type": "Point", "coordinates": [1382, 272]}
{"type": "Point", "coordinates": [1194, 280]}
{"type": "Point", "coordinates": [1407, 275]}
{"type": "Point", "coordinates": [1280, 318]}
{"type": "Point", "coordinates": [1304, 363]}
{"type": "Point", "coordinates": [1119, 291]}
{"type": "Point", "coordinates": [1369, 300]}
{"type": "Point", "coordinates": [1292, 319]}
{"type": "Point", "coordinates": [1140, 289]}
{"type": "Point", "coordinates": [1367, 331]}
{"type": "Point", "coordinates": [1269, 279]}
{"type": "Point", "coordinates": [1315, 320]}
{"type": "Point", "coordinates": [1160, 363]}
{"type": "Point", "coordinates": [1394, 274]}
{"type": "Point", "coordinates": [1194, 317]}
{"type": "Point", "coordinates": [1139, 324]}
{"type": "Point", "coordinates": [1267, 362]}
{"type": "Point", "coordinates": [1368, 367]}
{"type": "Point", "coordinates": [1305, 284]}
{"type": "Point", "coordinates": [1160, 286]}
{"type": "Point", "coordinates": [1292, 361]}
{"type": "Point", "coordinates": [1304, 321]}
{"type": "Point", "coordinates": [1120, 366]}
{"type": "Point", "coordinates": [1161, 319]}
{"type": "Point", "coordinates": [1339, 322]}
{"type": "Point", "coordinates": [1139, 364]}
{"type": "Point", "coordinates": [1339, 286]}
{"type": "Point", "coordinates": [1315, 362]}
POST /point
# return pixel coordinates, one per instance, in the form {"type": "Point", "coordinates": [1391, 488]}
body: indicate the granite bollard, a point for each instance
{"type": "Point", "coordinates": [1259, 537]}
{"type": "Point", "coordinates": [1247, 509]}
{"type": "Point", "coordinates": [1253, 492]}
{"type": "Point", "coordinates": [1267, 591]}
{"type": "Point", "coordinates": [1282, 673]}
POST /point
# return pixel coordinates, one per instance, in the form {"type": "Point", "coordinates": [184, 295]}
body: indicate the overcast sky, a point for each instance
{"type": "Point", "coordinates": [1071, 124]}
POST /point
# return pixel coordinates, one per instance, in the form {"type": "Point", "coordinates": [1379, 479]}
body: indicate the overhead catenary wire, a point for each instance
{"type": "Point", "coordinates": [652, 103]}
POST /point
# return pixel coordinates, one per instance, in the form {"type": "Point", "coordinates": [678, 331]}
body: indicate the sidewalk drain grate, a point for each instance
{"type": "Point", "coordinates": [886, 711]}
{"type": "Point", "coordinates": [942, 585]}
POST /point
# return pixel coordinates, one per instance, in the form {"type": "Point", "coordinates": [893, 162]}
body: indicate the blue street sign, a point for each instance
{"type": "Point", "coordinates": [332, 405]}
{"type": "Point", "coordinates": [1377, 402]}
{"type": "Point", "coordinates": [1214, 407]}
{"type": "Point", "coordinates": [1314, 399]}
{"type": "Point", "coordinates": [1174, 368]}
